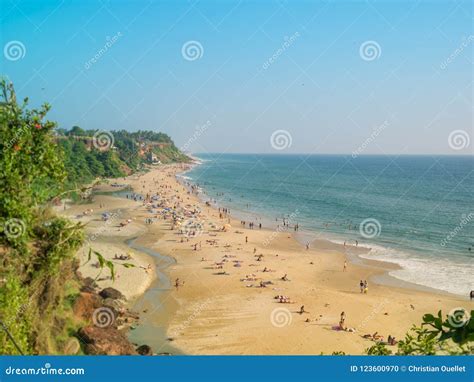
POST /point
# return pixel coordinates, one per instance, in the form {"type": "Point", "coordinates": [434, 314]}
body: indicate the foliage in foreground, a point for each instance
{"type": "Point", "coordinates": [37, 266]}
{"type": "Point", "coordinates": [453, 335]}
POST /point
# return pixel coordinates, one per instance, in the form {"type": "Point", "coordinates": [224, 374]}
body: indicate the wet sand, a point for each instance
{"type": "Point", "coordinates": [213, 311]}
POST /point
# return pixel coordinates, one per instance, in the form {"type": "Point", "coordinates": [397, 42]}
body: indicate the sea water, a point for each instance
{"type": "Point", "coordinates": [415, 211]}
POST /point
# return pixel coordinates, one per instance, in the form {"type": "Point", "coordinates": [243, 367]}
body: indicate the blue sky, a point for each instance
{"type": "Point", "coordinates": [321, 87]}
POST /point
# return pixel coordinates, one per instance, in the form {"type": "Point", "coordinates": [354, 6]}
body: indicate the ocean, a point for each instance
{"type": "Point", "coordinates": [415, 211]}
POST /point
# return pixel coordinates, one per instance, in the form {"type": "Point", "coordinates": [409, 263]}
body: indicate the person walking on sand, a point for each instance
{"type": "Point", "coordinates": [246, 239]}
{"type": "Point", "coordinates": [345, 266]}
{"type": "Point", "coordinates": [366, 286]}
{"type": "Point", "coordinates": [361, 286]}
{"type": "Point", "coordinates": [301, 311]}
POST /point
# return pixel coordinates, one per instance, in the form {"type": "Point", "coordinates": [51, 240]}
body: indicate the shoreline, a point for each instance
{"type": "Point", "coordinates": [354, 254]}
{"type": "Point", "coordinates": [214, 313]}
{"type": "Point", "coordinates": [363, 254]}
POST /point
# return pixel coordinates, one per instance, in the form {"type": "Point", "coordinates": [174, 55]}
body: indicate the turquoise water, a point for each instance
{"type": "Point", "coordinates": [416, 211]}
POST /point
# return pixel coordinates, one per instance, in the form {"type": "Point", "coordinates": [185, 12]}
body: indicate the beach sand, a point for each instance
{"type": "Point", "coordinates": [213, 312]}
{"type": "Point", "coordinates": [109, 239]}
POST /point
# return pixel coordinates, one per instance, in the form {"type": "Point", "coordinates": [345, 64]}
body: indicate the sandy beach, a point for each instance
{"type": "Point", "coordinates": [227, 280]}
{"type": "Point", "coordinates": [109, 239]}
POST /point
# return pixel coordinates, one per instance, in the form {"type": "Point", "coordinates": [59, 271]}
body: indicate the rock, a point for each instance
{"type": "Point", "coordinates": [105, 341]}
{"type": "Point", "coordinates": [114, 304]}
{"type": "Point", "coordinates": [89, 282]}
{"type": "Point", "coordinates": [86, 304]}
{"type": "Point", "coordinates": [144, 350]}
{"type": "Point", "coordinates": [87, 289]}
{"type": "Point", "coordinates": [72, 346]}
{"type": "Point", "coordinates": [111, 293]}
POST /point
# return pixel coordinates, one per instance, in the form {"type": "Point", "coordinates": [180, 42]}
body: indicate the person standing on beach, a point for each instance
{"type": "Point", "coordinates": [345, 266]}
{"type": "Point", "coordinates": [246, 239]}
{"type": "Point", "coordinates": [361, 286]}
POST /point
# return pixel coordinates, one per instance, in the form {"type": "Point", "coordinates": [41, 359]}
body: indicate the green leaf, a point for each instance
{"type": "Point", "coordinates": [89, 255]}
{"type": "Point", "coordinates": [428, 318]}
{"type": "Point", "coordinates": [110, 265]}
{"type": "Point", "coordinates": [438, 323]}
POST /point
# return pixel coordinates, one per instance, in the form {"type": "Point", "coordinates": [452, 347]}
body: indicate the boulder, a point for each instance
{"type": "Point", "coordinates": [88, 285]}
{"type": "Point", "coordinates": [112, 293]}
{"type": "Point", "coordinates": [144, 350]}
{"type": "Point", "coordinates": [105, 341]}
{"type": "Point", "coordinates": [114, 304]}
{"type": "Point", "coordinates": [86, 304]}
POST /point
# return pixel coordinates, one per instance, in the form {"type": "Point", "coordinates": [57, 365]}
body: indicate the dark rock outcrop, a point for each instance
{"type": "Point", "coordinates": [144, 350]}
{"type": "Point", "coordinates": [88, 285]}
{"type": "Point", "coordinates": [86, 304]}
{"type": "Point", "coordinates": [105, 341]}
{"type": "Point", "coordinates": [112, 293]}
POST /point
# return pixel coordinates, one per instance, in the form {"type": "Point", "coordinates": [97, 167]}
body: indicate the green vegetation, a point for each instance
{"type": "Point", "coordinates": [38, 281]}
{"type": "Point", "coordinates": [37, 248]}
{"type": "Point", "coordinates": [38, 165]}
{"type": "Point", "coordinates": [453, 335]}
{"type": "Point", "coordinates": [103, 263]}
{"type": "Point", "coordinates": [90, 154]}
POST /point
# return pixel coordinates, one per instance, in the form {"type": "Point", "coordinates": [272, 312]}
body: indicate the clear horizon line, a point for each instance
{"type": "Point", "coordinates": [339, 154]}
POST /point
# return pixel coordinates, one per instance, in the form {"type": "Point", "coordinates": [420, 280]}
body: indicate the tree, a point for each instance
{"type": "Point", "coordinates": [77, 131]}
{"type": "Point", "coordinates": [31, 165]}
